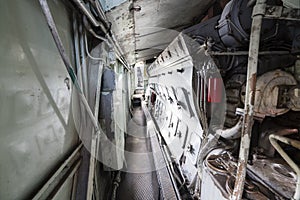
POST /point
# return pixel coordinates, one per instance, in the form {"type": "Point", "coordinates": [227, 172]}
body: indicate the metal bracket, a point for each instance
{"type": "Point", "coordinates": [279, 12]}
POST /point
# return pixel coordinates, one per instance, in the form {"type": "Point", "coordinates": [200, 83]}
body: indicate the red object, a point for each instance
{"type": "Point", "coordinates": [153, 98]}
{"type": "Point", "coordinates": [215, 93]}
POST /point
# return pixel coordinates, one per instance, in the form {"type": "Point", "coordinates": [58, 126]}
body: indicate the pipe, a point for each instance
{"type": "Point", "coordinates": [77, 60]}
{"type": "Point", "coordinates": [83, 61]}
{"type": "Point", "coordinates": [104, 40]}
{"type": "Point", "coordinates": [119, 49]}
{"type": "Point", "coordinates": [88, 53]}
{"type": "Point", "coordinates": [95, 138]}
{"type": "Point", "coordinates": [231, 133]}
{"type": "Point", "coordinates": [100, 11]}
{"type": "Point", "coordinates": [112, 39]}
{"type": "Point", "coordinates": [89, 28]}
{"type": "Point", "coordinates": [87, 13]}
{"type": "Point", "coordinates": [273, 140]}
{"type": "Point", "coordinates": [76, 43]}
{"type": "Point", "coordinates": [98, 94]}
{"type": "Point", "coordinates": [58, 175]}
{"type": "Point", "coordinates": [258, 14]}
{"type": "Point", "coordinates": [61, 49]}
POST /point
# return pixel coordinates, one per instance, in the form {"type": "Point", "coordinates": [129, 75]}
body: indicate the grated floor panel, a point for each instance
{"type": "Point", "coordinates": [139, 181]}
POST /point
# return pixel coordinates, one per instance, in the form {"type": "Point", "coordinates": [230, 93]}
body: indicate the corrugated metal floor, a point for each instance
{"type": "Point", "coordinates": [139, 181]}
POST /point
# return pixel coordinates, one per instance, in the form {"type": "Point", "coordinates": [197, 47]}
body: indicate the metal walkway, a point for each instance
{"type": "Point", "coordinates": [139, 179]}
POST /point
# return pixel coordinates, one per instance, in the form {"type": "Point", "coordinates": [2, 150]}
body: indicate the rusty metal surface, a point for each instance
{"type": "Point", "coordinates": [275, 174]}
{"type": "Point", "coordinates": [169, 111]}
{"type": "Point", "coordinates": [220, 175]}
{"type": "Point", "coordinates": [249, 99]}
{"type": "Point", "coordinates": [143, 33]}
{"type": "Point", "coordinates": [123, 27]}
{"type": "Point", "coordinates": [267, 92]}
{"type": "Point", "coordinates": [294, 143]}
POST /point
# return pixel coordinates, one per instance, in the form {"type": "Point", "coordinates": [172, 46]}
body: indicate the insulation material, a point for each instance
{"type": "Point", "coordinates": [112, 140]}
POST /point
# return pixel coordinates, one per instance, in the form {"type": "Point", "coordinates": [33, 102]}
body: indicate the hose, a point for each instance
{"type": "Point", "coordinates": [231, 133]}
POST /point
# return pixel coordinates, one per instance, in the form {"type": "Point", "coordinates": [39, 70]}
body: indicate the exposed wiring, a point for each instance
{"type": "Point", "coordinates": [110, 37]}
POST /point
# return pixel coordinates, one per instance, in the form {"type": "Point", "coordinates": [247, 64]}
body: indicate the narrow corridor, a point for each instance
{"type": "Point", "coordinates": [139, 178]}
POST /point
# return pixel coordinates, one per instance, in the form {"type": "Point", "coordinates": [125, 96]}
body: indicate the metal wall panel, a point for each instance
{"type": "Point", "coordinates": [36, 126]}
